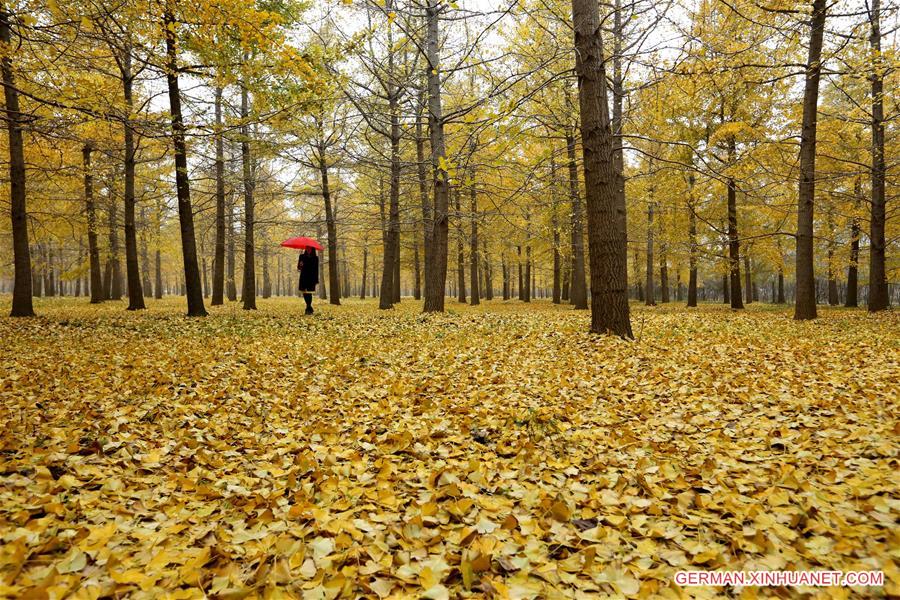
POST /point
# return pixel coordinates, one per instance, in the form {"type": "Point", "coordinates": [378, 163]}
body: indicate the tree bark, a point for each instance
{"type": "Point", "coordinates": [114, 279]}
{"type": "Point", "coordinates": [488, 271]}
{"type": "Point", "coordinates": [805, 304]}
{"type": "Point", "coordinates": [146, 286]}
{"type": "Point", "coordinates": [878, 287]}
{"type": "Point", "coordinates": [436, 271]}
{"type": "Point", "coordinates": [650, 288]}
{"type": "Point", "coordinates": [734, 246]}
{"type": "Point", "coordinates": [248, 293]}
{"type": "Point", "coordinates": [97, 295]}
{"type": "Point", "coordinates": [362, 288]}
{"type": "Point", "coordinates": [230, 277]}
{"type": "Point", "coordinates": [460, 253]}
{"type": "Point", "coordinates": [182, 184]}
{"type": "Point", "coordinates": [218, 291]}
{"type": "Point", "coordinates": [334, 281]}
{"type": "Point", "coordinates": [473, 249]}
{"type": "Point", "coordinates": [748, 277]}
{"type": "Point", "coordinates": [852, 299]}
{"type": "Point", "coordinates": [132, 268]}
{"type": "Point", "coordinates": [554, 224]}
{"type": "Point", "coordinates": [607, 239]}
{"type": "Point", "coordinates": [692, 244]}
{"type": "Point", "coordinates": [577, 284]}
{"type": "Point", "coordinates": [22, 287]}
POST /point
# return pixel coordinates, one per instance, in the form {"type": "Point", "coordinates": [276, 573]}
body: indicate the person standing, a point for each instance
{"type": "Point", "coordinates": [308, 266]}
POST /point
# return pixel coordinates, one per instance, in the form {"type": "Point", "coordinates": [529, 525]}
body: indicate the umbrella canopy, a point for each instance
{"type": "Point", "coordinates": [301, 243]}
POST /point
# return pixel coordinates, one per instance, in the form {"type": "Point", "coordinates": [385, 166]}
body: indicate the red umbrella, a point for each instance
{"type": "Point", "coordinates": [301, 243]}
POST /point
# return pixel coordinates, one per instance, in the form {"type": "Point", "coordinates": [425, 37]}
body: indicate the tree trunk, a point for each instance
{"type": "Point", "coordinates": [22, 287]}
{"type": "Point", "coordinates": [132, 269]}
{"type": "Point", "coordinates": [248, 293]}
{"type": "Point", "coordinates": [182, 183]}
{"type": "Point", "coordinates": [417, 289]}
{"type": "Point", "coordinates": [218, 291]}
{"type": "Point", "coordinates": [473, 250]}
{"type": "Point", "coordinates": [436, 270]}
{"type": "Point", "coordinates": [97, 295]}
{"type": "Point", "coordinates": [852, 300]}
{"type": "Point", "coordinates": [158, 289]}
{"type": "Point", "coordinates": [650, 288]}
{"type": "Point", "coordinates": [146, 286]}
{"type": "Point", "coordinates": [505, 272]}
{"type": "Point", "coordinates": [424, 200]}
{"type": "Point", "coordinates": [692, 245]}
{"type": "Point", "coordinates": [781, 299]}
{"type": "Point", "coordinates": [734, 248]}
{"type": "Point", "coordinates": [554, 224]}
{"type": "Point", "coordinates": [605, 206]}
{"type": "Point", "coordinates": [334, 281]}
{"type": "Point", "coordinates": [577, 284]}
{"type": "Point", "coordinates": [878, 287]}
{"type": "Point", "coordinates": [115, 270]}
{"type": "Point", "coordinates": [230, 277]}
{"type": "Point", "coordinates": [805, 304]}
{"type": "Point", "coordinates": [748, 278]}
{"type": "Point", "coordinates": [488, 271]}
{"type": "Point", "coordinates": [362, 288]}
{"type": "Point", "coordinates": [460, 253]}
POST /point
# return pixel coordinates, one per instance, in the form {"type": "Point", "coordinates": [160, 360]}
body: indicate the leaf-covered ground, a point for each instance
{"type": "Point", "coordinates": [498, 451]}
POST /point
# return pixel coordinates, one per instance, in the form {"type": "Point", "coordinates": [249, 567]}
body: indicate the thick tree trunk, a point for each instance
{"type": "Point", "coordinates": [436, 271]}
{"type": "Point", "coordinates": [132, 268]}
{"type": "Point", "coordinates": [605, 207]}
{"type": "Point", "coordinates": [182, 184]}
{"type": "Point", "coordinates": [97, 294]}
{"type": "Point", "coordinates": [248, 293]}
{"type": "Point", "coordinates": [878, 287]}
{"type": "Point", "coordinates": [577, 284]}
{"type": "Point", "coordinates": [852, 300]}
{"type": "Point", "coordinates": [650, 288]}
{"type": "Point", "coordinates": [218, 291]}
{"type": "Point", "coordinates": [422, 175]}
{"type": "Point", "coordinates": [805, 304]}
{"type": "Point", "coordinates": [22, 287]}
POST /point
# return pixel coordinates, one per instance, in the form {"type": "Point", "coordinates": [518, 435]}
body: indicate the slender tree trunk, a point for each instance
{"type": "Point", "coordinates": [230, 277]}
{"type": "Point", "coordinates": [692, 243]}
{"type": "Point", "coordinates": [554, 224]}
{"type": "Point", "coordinates": [132, 269]}
{"type": "Point", "coordinates": [805, 305]}
{"type": "Point", "coordinates": [734, 248]}
{"type": "Point", "coordinates": [267, 281]}
{"type": "Point", "coordinates": [146, 286]}
{"type": "Point", "coordinates": [878, 287]}
{"type": "Point", "coordinates": [460, 253]}
{"type": "Point", "coordinates": [417, 289]}
{"type": "Point", "coordinates": [97, 295]}
{"type": "Point", "coordinates": [422, 175]}
{"type": "Point", "coordinates": [748, 277]}
{"type": "Point", "coordinates": [663, 264]}
{"type": "Point", "coordinates": [605, 207]}
{"type": "Point", "coordinates": [334, 282]}
{"type": "Point", "coordinates": [248, 293]}
{"type": "Point", "coordinates": [473, 250]}
{"type": "Point", "coordinates": [218, 291]}
{"type": "Point", "coordinates": [22, 287]}
{"type": "Point", "coordinates": [505, 272]}
{"type": "Point", "coordinates": [362, 287]}
{"type": "Point", "coordinates": [650, 288]}
{"type": "Point", "coordinates": [488, 270]}
{"type": "Point", "coordinates": [182, 184]}
{"type": "Point", "coordinates": [158, 288]}
{"type": "Point", "coordinates": [781, 299]}
{"type": "Point", "coordinates": [577, 285]}
{"type": "Point", "coordinates": [852, 300]}
{"type": "Point", "coordinates": [112, 214]}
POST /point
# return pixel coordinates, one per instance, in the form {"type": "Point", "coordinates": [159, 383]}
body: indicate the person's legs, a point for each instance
{"type": "Point", "coordinates": [307, 297]}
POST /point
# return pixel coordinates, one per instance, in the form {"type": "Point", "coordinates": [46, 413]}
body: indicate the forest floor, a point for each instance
{"type": "Point", "coordinates": [497, 451]}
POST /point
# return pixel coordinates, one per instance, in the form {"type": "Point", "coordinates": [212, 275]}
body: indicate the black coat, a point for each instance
{"type": "Point", "coordinates": [309, 272]}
